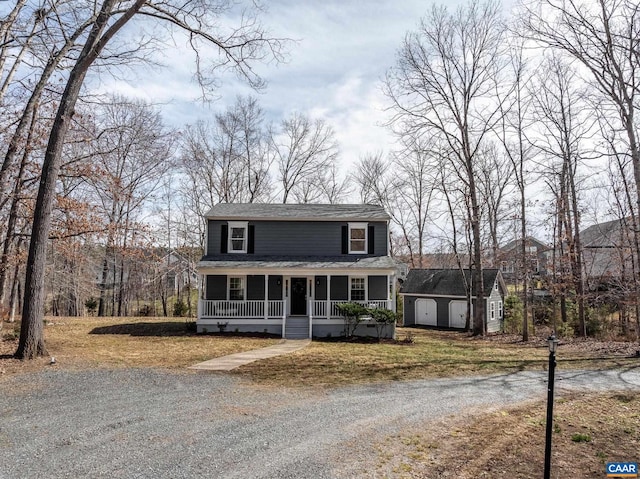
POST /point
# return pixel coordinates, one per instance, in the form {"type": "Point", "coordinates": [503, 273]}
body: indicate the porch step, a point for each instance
{"type": "Point", "coordinates": [297, 328]}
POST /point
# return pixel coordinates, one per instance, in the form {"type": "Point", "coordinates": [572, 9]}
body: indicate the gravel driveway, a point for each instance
{"type": "Point", "coordinates": [145, 423]}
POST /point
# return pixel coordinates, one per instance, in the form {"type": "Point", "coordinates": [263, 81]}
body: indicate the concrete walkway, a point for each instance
{"type": "Point", "coordinates": [232, 361]}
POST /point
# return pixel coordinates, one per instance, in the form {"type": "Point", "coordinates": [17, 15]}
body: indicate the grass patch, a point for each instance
{"type": "Point", "coordinates": [510, 443]}
{"type": "Point", "coordinates": [171, 343]}
{"type": "Point", "coordinates": [430, 354]}
{"type": "Point", "coordinates": [126, 342]}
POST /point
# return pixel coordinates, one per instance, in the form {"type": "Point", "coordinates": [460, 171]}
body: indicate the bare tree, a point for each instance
{"type": "Point", "coordinates": [131, 152]}
{"type": "Point", "coordinates": [238, 49]}
{"type": "Point", "coordinates": [302, 147]}
{"type": "Point", "coordinates": [511, 132]}
{"type": "Point", "coordinates": [560, 114]}
{"type": "Point", "coordinates": [444, 85]}
{"type": "Point", "coordinates": [413, 185]}
{"type": "Point", "coordinates": [602, 36]}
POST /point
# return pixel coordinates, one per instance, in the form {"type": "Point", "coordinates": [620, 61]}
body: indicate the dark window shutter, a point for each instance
{"type": "Point", "coordinates": [224, 237]}
{"type": "Point", "coordinates": [371, 240]}
{"type": "Point", "coordinates": [251, 240]}
{"type": "Point", "coordinates": [345, 240]}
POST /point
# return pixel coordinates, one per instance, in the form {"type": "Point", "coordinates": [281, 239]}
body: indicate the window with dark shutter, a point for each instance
{"type": "Point", "coordinates": [252, 239]}
{"type": "Point", "coordinates": [345, 240]}
{"type": "Point", "coordinates": [224, 238]}
{"type": "Point", "coordinates": [371, 246]}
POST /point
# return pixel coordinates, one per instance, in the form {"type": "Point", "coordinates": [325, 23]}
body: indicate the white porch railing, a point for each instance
{"type": "Point", "coordinates": [240, 309]}
{"type": "Point", "coordinates": [223, 309]}
{"type": "Point", "coordinates": [319, 307]}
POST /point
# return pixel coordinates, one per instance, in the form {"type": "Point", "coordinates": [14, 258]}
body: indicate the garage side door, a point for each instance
{"type": "Point", "coordinates": [426, 312]}
{"type": "Point", "coordinates": [457, 314]}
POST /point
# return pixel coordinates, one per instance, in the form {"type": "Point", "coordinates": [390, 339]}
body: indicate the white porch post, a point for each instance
{"type": "Point", "coordinates": [328, 296]}
{"type": "Point", "coordinates": [284, 317]}
{"type": "Point", "coordinates": [266, 297]}
{"type": "Point", "coordinates": [392, 278]}
{"type": "Point", "coordinates": [310, 302]}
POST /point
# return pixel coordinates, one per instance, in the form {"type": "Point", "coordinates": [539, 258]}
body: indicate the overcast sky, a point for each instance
{"type": "Point", "coordinates": [334, 72]}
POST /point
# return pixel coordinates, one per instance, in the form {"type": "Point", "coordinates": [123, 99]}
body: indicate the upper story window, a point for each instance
{"type": "Point", "coordinates": [238, 233]}
{"type": "Point", "coordinates": [357, 238]}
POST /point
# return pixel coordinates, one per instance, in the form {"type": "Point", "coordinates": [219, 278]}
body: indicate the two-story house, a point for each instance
{"type": "Point", "coordinates": [283, 268]}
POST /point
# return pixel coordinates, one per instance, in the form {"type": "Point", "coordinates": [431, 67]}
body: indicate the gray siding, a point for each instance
{"type": "Point", "coordinates": [442, 306]}
{"type": "Point", "coordinates": [409, 310]}
{"type": "Point", "coordinates": [297, 238]}
{"type": "Point", "coordinates": [336, 330]}
{"type": "Point", "coordinates": [216, 286]}
{"type": "Point", "coordinates": [442, 310]}
{"type": "Point", "coordinates": [378, 287]}
{"type": "Point", "coordinates": [319, 330]}
{"type": "Point", "coordinates": [495, 325]}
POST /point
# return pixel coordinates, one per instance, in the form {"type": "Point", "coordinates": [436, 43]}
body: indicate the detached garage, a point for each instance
{"type": "Point", "coordinates": [437, 298]}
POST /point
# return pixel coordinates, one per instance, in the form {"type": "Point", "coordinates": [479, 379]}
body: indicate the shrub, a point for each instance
{"type": "Point", "coordinates": [382, 318]}
{"type": "Point", "coordinates": [579, 437]}
{"type": "Point", "coordinates": [352, 314]}
{"type": "Point", "coordinates": [145, 310]}
{"type": "Point", "coordinates": [92, 305]}
{"type": "Point", "coordinates": [179, 308]}
{"type": "Point", "coordinates": [512, 314]}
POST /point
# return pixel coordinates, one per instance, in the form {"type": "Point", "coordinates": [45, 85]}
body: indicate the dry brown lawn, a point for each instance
{"type": "Point", "coordinates": [123, 342]}
{"type": "Point", "coordinates": [167, 343]}
{"type": "Point", "coordinates": [430, 354]}
{"type": "Point", "coordinates": [589, 431]}
{"type": "Point", "coordinates": [505, 443]}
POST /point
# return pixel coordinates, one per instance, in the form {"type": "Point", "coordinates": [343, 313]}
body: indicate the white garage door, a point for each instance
{"type": "Point", "coordinates": [426, 312]}
{"type": "Point", "coordinates": [457, 314]}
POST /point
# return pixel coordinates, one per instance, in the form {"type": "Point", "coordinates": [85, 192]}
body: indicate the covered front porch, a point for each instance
{"type": "Point", "coordinates": [289, 304]}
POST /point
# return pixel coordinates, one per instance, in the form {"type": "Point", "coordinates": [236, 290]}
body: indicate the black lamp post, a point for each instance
{"type": "Point", "coordinates": [553, 346]}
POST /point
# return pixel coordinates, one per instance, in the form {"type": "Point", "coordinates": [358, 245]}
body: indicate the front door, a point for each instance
{"type": "Point", "coordinates": [299, 296]}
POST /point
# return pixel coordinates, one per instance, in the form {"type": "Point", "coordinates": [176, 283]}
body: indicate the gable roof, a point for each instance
{"type": "Point", "coordinates": [529, 241]}
{"type": "Point", "coordinates": [297, 212]}
{"type": "Point", "coordinates": [604, 235]}
{"type": "Point", "coordinates": [444, 282]}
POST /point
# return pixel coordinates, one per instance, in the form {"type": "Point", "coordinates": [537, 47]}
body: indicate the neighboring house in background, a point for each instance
{"type": "Point", "coordinates": [283, 268]}
{"type": "Point", "coordinates": [439, 261]}
{"type": "Point", "coordinates": [509, 259]}
{"type": "Point", "coordinates": [438, 298]}
{"type": "Point", "coordinates": [177, 272]}
{"type": "Point", "coordinates": [607, 252]}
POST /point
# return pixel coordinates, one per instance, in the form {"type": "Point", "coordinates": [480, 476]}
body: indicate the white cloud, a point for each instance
{"type": "Point", "coordinates": [344, 49]}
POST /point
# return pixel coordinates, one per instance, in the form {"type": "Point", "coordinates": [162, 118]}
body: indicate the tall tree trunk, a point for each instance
{"type": "Point", "coordinates": [479, 323]}
{"type": "Point", "coordinates": [31, 342]}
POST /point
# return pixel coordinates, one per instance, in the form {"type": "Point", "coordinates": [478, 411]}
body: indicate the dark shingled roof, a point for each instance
{"type": "Point", "coordinates": [297, 212]}
{"type": "Point", "coordinates": [443, 282]}
{"type": "Point", "coordinates": [604, 235]}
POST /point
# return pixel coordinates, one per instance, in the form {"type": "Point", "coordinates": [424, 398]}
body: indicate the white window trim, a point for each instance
{"type": "Point", "coordinates": [366, 286]}
{"type": "Point", "coordinates": [492, 310]}
{"type": "Point", "coordinates": [238, 224]}
{"type": "Point", "coordinates": [500, 312]}
{"type": "Point", "coordinates": [244, 287]}
{"type": "Point", "coordinates": [359, 226]}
